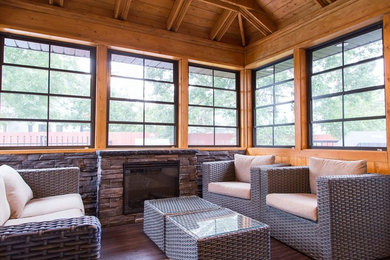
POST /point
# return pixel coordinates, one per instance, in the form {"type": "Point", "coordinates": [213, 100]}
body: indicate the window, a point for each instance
{"type": "Point", "coordinates": [47, 91]}
{"type": "Point", "coordinates": [274, 105]}
{"type": "Point", "coordinates": [142, 101]}
{"type": "Point", "coordinates": [346, 90]}
{"type": "Point", "coordinates": [213, 107]}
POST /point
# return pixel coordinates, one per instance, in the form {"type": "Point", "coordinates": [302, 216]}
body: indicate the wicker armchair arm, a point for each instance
{"type": "Point", "coordinates": [285, 179]}
{"type": "Point", "coordinates": [63, 238]}
{"type": "Point", "coordinates": [217, 171]}
{"type": "Point", "coordinates": [52, 181]}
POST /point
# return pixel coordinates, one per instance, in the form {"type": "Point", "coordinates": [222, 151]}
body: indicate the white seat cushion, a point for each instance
{"type": "Point", "coordinates": [5, 211]}
{"type": "Point", "coordinates": [243, 164]}
{"type": "Point", "coordinates": [231, 188]}
{"type": "Point", "coordinates": [300, 204]}
{"type": "Point", "coordinates": [52, 204]}
{"type": "Point", "coordinates": [70, 213]}
{"type": "Point", "coordinates": [18, 192]}
{"type": "Point", "coordinates": [326, 167]}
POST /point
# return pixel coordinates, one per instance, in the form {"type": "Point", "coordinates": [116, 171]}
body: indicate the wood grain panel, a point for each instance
{"type": "Point", "coordinates": [101, 97]}
{"type": "Point", "coordinates": [183, 104]}
{"type": "Point", "coordinates": [386, 52]}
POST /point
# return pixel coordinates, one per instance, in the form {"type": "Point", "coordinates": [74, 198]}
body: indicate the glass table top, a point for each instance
{"type": "Point", "coordinates": [216, 222]}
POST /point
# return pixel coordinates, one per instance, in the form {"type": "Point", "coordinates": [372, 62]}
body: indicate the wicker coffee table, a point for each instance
{"type": "Point", "coordinates": [217, 234]}
{"type": "Point", "coordinates": [156, 211]}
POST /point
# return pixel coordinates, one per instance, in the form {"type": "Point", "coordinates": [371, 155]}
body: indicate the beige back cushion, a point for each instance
{"type": "Point", "coordinates": [5, 211]}
{"type": "Point", "coordinates": [243, 163]}
{"type": "Point", "coordinates": [326, 167]}
{"type": "Point", "coordinates": [18, 192]}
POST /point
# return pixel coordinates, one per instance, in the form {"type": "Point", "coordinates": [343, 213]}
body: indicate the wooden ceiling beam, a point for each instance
{"type": "Point", "coordinates": [224, 21]}
{"type": "Point", "coordinates": [259, 20]}
{"type": "Point", "coordinates": [122, 8]}
{"type": "Point", "coordinates": [59, 3]}
{"type": "Point", "coordinates": [324, 3]}
{"type": "Point", "coordinates": [177, 14]}
{"type": "Point", "coordinates": [234, 5]}
{"type": "Point", "coordinates": [242, 31]}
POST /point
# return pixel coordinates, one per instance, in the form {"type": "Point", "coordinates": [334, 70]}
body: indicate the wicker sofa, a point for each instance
{"type": "Point", "coordinates": [63, 238]}
{"type": "Point", "coordinates": [353, 213]}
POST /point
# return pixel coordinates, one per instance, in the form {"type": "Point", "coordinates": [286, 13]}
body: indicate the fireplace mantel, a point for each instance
{"type": "Point", "coordinates": [145, 152]}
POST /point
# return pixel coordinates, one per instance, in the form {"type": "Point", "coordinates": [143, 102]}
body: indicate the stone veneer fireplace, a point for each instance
{"type": "Point", "coordinates": [110, 179]}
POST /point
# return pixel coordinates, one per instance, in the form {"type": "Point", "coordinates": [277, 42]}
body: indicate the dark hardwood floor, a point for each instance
{"type": "Point", "coordinates": [129, 242]}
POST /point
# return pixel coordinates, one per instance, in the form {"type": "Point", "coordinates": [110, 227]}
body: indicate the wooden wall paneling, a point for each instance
{"type": "Point", "coordinates": [111, 32]}
{"type": "Point", "coordinates": [386, 52]}
{"type": "Point", "coordinates": [246, 108]}
{"type": "Point", "coordinates": [300, 89]}
{"type": "Point", "coordinates": [101, 97]}
{"type": "Point", "coordinates": [183, 104]}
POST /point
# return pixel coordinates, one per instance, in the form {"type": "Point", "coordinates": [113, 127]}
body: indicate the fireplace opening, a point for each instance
{"type": "Point", "coordinates": [148, 180]}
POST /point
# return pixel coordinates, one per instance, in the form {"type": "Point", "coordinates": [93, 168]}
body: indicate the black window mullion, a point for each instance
{"type": "Point", "coordinates": [143, 95]}
{"type": "Point", "coordinates": [213, 107]}
{"type": "Point", "coordinates": [48, 98]}
{"type": "Point", "coordinates": [343, 93]}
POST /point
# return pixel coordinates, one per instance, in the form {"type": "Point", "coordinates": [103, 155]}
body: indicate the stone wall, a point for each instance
{"type": "Point", "coordinates": [85, 161]}
{"type": "Point", "coordinates": [211, 156]}
{"type": "Point", "coordinates": [110, 176]}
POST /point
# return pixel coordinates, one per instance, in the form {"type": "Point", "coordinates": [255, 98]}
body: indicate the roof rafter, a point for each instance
{"type": "Point", "coordinates": [324, 3]}
{"type": "Point", "coordinates": [122, 8]}
{"type": "Point", "coordinates": [177, 13]}
{"type": "Point", "coordinates": [259, 20]}
{"type": "Point", "coordinates": [242, 30]}
{"type": "Point", "coordinates": [222, 25]}
{"type": "Point", "coordinates": [57, 2]}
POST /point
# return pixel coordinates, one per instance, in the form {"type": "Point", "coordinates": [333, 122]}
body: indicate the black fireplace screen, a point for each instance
{"type": "Point", "coordinates": [148, 180]}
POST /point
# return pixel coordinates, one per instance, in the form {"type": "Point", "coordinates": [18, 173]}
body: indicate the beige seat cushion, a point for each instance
{"type": "Point", "coordinates": [52, 204]}
{"type": "Point", "coordinates": [5, 211]}
{"type": "Point", "coordinates": [18, 192]}
{"type": "Point", "coordinates": [231, 188]}
{"type": "Point", "coordinates": [243, 163]}
{"type": "Point", "coordinates": [300, 204]}
{"type": "Point", "coordinates": [325, 167]}
{"type": "Point", "coordinates": [70, 213]}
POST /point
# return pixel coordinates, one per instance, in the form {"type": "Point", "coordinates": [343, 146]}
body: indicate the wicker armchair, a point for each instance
{"type": "Point", "coordinates": [71, 238]}
{"type": "Point", "coordinates": [223, 171]}
{"type": "Point", "coordinates": [353, 214]}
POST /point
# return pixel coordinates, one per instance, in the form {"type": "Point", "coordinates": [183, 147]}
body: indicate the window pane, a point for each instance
{"type": "Point", "coordinates": [200, 96]}
{"type": "Point", "coordinates": [327, 58]}
{"type": "Point", "coordinates": [366, 133]}
{"type": "Point", "coordinates": [70, 83]}
{"type": "Point", "coordinates": [284, 135]}
{"type": "Point", "coordinates": [157, 91]}
{"type": "Point", "coordinates": [159, 135]}
{"type": "Point", "coordinates": [225, 136]}
{"type": "Point", "coordinates": [122, 135]}
{"type": "Point", "coordinates": [26, 53]}
{"type": "Point", "coordinates": [327, 134]}
{"type": "Point", "coordinates": [364, 75]}
{"type": "Point", "coordinates": [327, 108]}
{"type": "Point", "coordinates": [200, 76]}
{"type": "Point", "coordinates": [159, 113]}
{"type": "Point", "coordinates": [127, 66]}
{"type": "Point", "coordinates": [284, 70]}
{"type": "Point", "coordinates": [264, 96]}
{"type": "Point", "coordinates": [126, 111]}
{"type": "Point", "coordinates": [126, 88]}
{"type": "Point", "coordinates": [25, 79]}
{"type": "Point", "coordinates": [200, 116]}
{"type": "Point", "coordinates": [223, 98]}
{"type": "Point", "coordinates": [200, 135]}
{"type": "Point", "coordinates": [158, 70]}
{"type": "Point", "coordinates": [70, 59]}
{"type": "Point", "coordinates": [264, 136]}
{"type": "Point", "coordinates": [225, 117]}
{"type": "Point", "coordinates": [19, 133]}
{"type": "Point", "coordinates": [284, 113]}
{"type": "Point", "coordinates": [370, 103]}
{"type": "Point", "coordinates": [224, 79]}
{"type": "Point", "coordinates": [23, 106]}
{"type": "Point", "coordinates": [363, 47]}
{"type": "Point", "coordinates": [265, 116]}
{"type": "Point", "coordinates": [265, 77]}
{"type": "Point", "coordinates": [70, 108]}
{"type": "Point", "coordinates": [326, 83]}
{"type": "Point", "coordinates": [69, 134]}
{"type": "Point", "coordinates": [284, 92]}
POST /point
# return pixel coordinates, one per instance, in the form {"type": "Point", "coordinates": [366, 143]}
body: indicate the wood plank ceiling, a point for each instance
{"type": "Point", "coordinates": [237, 22]}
